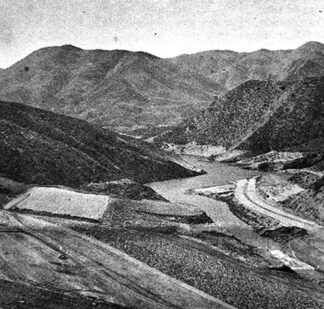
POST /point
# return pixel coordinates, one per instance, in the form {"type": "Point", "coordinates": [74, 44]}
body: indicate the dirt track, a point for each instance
{"type": "Point", "coordinates": [39, 253]}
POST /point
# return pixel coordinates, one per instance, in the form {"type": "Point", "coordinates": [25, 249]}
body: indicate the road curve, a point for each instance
{"type": "Point", "coordinates": [245, 192]}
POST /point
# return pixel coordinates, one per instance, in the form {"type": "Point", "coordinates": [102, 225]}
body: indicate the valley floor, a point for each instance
{"type": "Point", "coordinates": [150, 260]}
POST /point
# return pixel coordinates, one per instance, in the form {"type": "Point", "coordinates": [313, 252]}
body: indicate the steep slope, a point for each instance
{"type": "Point", "coordinates": [231, 69]}
{"type": "Point", "coordinates": [111, 88]}
{"type": "Point", "coordinates": [42, 147]}
{"type": "Point", "coordinates": [229, 118]}
{"type": "Point", "coordinates": [259, 116]}
{"type": "Point", "coordinates": [297, 120]}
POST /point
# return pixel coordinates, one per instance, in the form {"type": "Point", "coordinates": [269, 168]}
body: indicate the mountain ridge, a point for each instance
{"type": "Point", "coordinates": [127, 90]}
{"type": "Point", "coordinates": [41, 147]}
{"type": "Point", "coordinates": [233, 68]}
{"type": "Point", "coordinates": [258, 116]}
{"type": "Point", "coordinates": [111, 88]}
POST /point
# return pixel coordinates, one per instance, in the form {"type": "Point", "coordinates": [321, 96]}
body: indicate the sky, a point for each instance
{"type": "Point", "coordinates": [165, 28]}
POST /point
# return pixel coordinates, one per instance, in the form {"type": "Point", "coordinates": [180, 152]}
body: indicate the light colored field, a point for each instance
{"type": "Point", "coordinates": [61, 201]}
{"type": "Point", "coordinates": [30, 251]}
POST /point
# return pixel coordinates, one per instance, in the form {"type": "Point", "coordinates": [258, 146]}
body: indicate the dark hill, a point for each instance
{"type": "Point", "coordinates": [297, 120]}
{"type": "Point", "coordinates": [230, 69]}
{"type": "Point", "coordinates": [41, 147]}
{"type": "Point", "coordinates": [259, 116]}
{"type": "Point", "coordinates": [112, 88]}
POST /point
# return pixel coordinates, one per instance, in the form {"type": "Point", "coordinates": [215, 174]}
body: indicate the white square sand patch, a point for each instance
{"type": "Point", "coordinates": [62, 202]}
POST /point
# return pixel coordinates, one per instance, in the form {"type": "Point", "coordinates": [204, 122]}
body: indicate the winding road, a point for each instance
{"type": "Point", "coordinates": [246, 193]}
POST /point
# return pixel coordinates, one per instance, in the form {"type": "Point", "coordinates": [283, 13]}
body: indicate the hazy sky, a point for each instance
{"type": "Point", "coordinates": [163, 27]}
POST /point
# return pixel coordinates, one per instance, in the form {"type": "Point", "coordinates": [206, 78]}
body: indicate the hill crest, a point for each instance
{"type": "Point", "coordinates": [259, 116]}
{"type": "Point", "coordinates": [231, 68]}
{"type": "Point", "coordinates": [111, 88]}
{"type": "Point", "coordinates": [41, 147]}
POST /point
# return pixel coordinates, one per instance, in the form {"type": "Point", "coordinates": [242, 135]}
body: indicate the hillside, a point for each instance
{"type": "Point", "coordinates": [297, 120]}
{"type": "Point", "coordinates": [130, 91]}
{"type": "Point", "coordinates": [259, 116]}
{"type": "Point", "coordinates": [41, 147]}
{"type": "Point", "coordinates": [231, 69]}
{"type": "Point", "coordinates": [114, 88]}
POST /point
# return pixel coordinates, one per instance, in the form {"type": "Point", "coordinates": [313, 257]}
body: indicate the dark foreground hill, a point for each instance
{"type": "Point", "coordinates": [230, 69]}
{"type": "Point", "coordinates": [42, 147]}
{"type": "Point", "coordinates": [114, 88]}
{"type": "Point", "coordinates": [259, 116]}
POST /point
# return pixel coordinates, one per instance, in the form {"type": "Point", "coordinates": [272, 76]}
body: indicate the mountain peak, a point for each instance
{"type": "Point", "coordinates": [151, 56]}
{"type": "Point", "coordinates": [312, 46]}
{"type": "Point", "coordinates": [70, 47]}
{"type": "Point", "coordinates": [89, 83]}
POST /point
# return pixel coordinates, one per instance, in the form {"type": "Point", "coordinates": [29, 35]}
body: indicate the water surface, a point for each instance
{"type": "Point", "coordinates": [217, 174]}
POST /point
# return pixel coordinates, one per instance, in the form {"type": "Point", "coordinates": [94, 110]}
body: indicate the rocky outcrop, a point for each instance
{"type": "Point", "coordinates": [281, 160]}
{"type": "Point", "coordinates": [193, 149]}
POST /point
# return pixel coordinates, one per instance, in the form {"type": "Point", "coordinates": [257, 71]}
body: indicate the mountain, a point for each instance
{"type": "Point", "coordinates": [139, 92]}
{"type": "Point", "coordinates": [114, 88]}
{"type": "Point", "coordinates": [231, 69]}
{"type": "Point", "coordinates": [41, 147]}
{"type": "Point", "coordinates": [297, 120]}
{"type": "Point", "coordinates": [259, 116]}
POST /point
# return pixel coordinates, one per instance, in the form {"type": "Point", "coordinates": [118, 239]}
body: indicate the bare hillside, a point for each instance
{"type": "Point", "coordinates": [259, 116]}
{"type": "Point", "coordinates": [231, 69]}
{"type": "Point", "coordinates": [42, 147]}
{"type": "Point", "coordinates": [114, 88]}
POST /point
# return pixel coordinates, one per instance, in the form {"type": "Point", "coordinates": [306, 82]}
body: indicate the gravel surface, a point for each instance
{"type": "Point", "coordinates": [15, 295]}
{"type": "Point", "coordinates": [213, 272]}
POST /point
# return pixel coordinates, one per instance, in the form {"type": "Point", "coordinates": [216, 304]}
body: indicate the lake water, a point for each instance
{"type": "Point", "coordinates": [217, 174]}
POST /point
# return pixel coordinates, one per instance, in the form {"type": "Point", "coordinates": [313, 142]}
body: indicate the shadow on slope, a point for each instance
{"type": "Point", "coordinates": [42, 147]}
